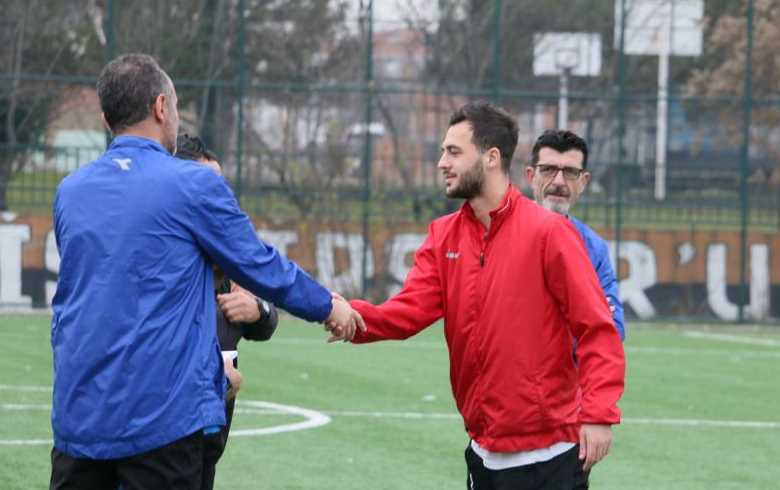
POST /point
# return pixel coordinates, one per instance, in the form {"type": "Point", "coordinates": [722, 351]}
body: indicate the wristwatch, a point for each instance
{"type": "Point", "coordinates": [264, 307]}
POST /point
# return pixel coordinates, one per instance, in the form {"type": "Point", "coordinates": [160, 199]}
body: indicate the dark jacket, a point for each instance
{"type": "Point", "coordinates": [229, 334]}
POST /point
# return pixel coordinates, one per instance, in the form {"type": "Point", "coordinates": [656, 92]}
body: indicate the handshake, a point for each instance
{"type": "Point", "coordinates": [343, 321]}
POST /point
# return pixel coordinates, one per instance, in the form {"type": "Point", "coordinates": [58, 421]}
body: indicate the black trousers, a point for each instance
{"type": "Point", "coordinates": [177, 465]}
{"type": "Point", "coordinates": [213, 447]}
{"type": "Point", "coordinates": [563, 472]}
{"type": "Point", "coordinates": [214, 444]}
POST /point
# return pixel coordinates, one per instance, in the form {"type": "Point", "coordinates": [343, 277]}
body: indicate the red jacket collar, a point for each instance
{"type": "Point", "coordinates": [509, 200]}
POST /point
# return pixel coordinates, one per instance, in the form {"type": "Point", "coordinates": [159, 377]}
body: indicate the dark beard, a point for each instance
{"type": "Point", "coordinates": [470, 185]}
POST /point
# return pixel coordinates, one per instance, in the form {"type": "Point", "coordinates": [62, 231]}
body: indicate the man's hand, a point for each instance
{"type": "Point", "coordinates": [234, 375]}
{"type": "Point", "coordinates": [343, 320]}
{"type": "Point", "coordinates": [239, 305]}
{"type": "Point", "coordinates": [595, 440]}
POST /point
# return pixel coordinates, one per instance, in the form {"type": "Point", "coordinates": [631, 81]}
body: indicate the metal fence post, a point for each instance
{"type": "Point", "coordinates": [621, 131]}
{"type": "Point", "coordinates": [747, 104]}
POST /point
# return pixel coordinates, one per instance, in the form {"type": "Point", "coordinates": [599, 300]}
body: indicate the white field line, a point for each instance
{"type": "Point", "coordinates": [396, 415]}
{"type": "Point", "coordinates": [15, 407]}
{"type": "Point", "coordinates": [740, 339]}
{"type": "Point", "coordinates": [26, 388]}
{"type": "Point", "coordinates": [240, 408]}
{"type": "Point", "coordinates": [315, 418]}
{"type": "Point", "coordinates": [741, 424]}
{"type": "Point", "coordinates": [686, 351]}
{"type": "Point", "coordinates": [312, 418]}
{"type": "Point", "coordinates": [26, 442]}
{"type": "Point", "coordinates": [736, 424]}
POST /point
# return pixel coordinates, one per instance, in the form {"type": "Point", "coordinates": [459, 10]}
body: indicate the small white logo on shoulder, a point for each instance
{"type": "Point", "coordinates": [124, 163]}
{"type": "Point", "coordinates": [452, 255]}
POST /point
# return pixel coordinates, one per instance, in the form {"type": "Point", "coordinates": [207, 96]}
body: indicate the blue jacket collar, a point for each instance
{"type": "Point", "coordinates": [136, 142]}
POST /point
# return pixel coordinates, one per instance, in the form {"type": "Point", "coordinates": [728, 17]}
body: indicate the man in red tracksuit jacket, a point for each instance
{"type": "Point", "coordinates": [515, 286]}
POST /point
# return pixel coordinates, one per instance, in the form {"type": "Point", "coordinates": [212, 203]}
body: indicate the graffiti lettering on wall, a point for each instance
{"type": "Point", "coordinates": [662, 273]}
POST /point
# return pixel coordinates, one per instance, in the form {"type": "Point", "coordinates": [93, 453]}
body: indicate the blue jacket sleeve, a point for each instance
{"type": "Point", "coordinates": [227, 236]}
{"type": "Point", "coordinates": [609, 284]}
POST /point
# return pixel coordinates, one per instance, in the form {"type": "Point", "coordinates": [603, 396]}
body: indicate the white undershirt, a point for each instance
{"type": "Point", "coordinates": [502, 461]}
{"type": "Point", "coordinates": [229, 355]}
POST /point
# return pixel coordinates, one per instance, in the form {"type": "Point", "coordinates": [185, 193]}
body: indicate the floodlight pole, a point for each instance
{"type": "Point", "coordinates": [663, 101]}
{"type": "Point", "coordinates": [563, 99]}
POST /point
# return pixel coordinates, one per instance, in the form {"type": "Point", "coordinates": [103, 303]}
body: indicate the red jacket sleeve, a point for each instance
{"type": "Point", "coordinates": [416, 306]}
{"type": "Point", "coordinates": [572, 280]}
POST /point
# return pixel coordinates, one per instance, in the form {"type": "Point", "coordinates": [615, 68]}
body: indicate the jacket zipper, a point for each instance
{"type": "Point", "coordinates": [483, 246]}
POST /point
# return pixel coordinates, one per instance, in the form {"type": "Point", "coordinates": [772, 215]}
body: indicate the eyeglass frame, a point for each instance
{"type": "Point", "coordinates": [563, 169]}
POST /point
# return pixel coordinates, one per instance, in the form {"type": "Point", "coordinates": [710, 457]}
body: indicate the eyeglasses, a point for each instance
{"type": "Point", "coordinates": [550, 171]}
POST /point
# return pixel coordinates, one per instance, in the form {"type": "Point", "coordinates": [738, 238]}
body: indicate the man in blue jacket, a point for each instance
{"type": "Point", "coordinates": [138, 375]}
{"type": "Point", "coordinates": [557, 177]}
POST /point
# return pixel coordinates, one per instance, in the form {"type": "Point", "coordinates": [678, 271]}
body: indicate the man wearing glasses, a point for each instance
{"type": "Point", "coordinates": [557, 177]}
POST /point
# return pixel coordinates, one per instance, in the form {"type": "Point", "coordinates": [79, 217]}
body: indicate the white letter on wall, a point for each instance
{"type": "Point", "coordinates": [641, 276]}
{"type": "Point", "coordinates": [759, 282]}
{"type": "Point", "coordinates": [51, 263]}
{"type": "Point", "coordinates": [349, 281]}
{"type": "Point", "coordinates": [12, 237]}
{"type": "Point", "coordinates": [717, 282]}
{"type": "Point", "coordinates": [279, 239]}
{"type": "Point", "coordinates": [400, 247]}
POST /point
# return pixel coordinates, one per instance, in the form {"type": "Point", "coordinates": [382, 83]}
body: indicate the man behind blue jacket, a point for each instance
{"type": "Point", "coordinates": [138, 374]}
{"type": "Point", "coordinates": [557, 175]}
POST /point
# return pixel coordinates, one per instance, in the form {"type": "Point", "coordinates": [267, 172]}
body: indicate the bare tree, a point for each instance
{"type": "Point", "coordinates": [722, 73]}
{"type": "Point", "coordinates": [32, 44]}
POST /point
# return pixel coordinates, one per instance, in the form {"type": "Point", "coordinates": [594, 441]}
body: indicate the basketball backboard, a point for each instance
{"type": "Point", "coordinates": [578, 53]}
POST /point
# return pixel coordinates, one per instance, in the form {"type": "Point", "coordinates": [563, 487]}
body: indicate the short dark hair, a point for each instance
{"type": "Point", "coordinates": [127, 88]}
{"type": "Point", "coordinates": [192, 148]}
{"type": "Point", "coordinates": [561, 141]}
{"type": "Point", "coordinates": [491, 127]}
